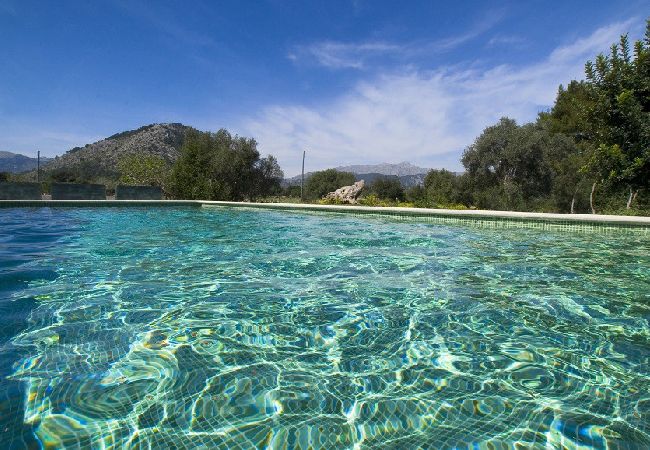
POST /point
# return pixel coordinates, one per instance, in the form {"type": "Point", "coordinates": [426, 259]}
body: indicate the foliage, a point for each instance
{"type": "Point", "coordinates": [267, 177]}
{"type": "Point", "coordinates": [441, 187]}
{"type": "Point", "coordinates": [331, 201]}
{"type": "Point", "coordinates": [291, 191]}
{"type": "Point", "coordinates": [387, 188]}
{"type": "Point", "coordinates": [144, 170]}
{"type": "Point", "coordinates": [219, 166]}
{"type": "Point", "coordinates": [373, 200]}
{"type": "Point", "coordinates": [507, 165]}
{"type": "Point", "coordinates": [83, 172]}
{"type": "Point", "coordinates": [4, 176]}
{"type": "Point", "coordinates": [321, 183]}
{"type": "Point", "coordinates": [619, 117]}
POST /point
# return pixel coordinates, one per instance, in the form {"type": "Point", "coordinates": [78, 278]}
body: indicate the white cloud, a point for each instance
{"type": "Point", "coordinates": [511, 41]}
{"type": "Point", "coordinates": [340, 55]}
{"type": "Point", "coordinates": [424, 117]}
{"type": "Point", "coordinates": [356, 55]}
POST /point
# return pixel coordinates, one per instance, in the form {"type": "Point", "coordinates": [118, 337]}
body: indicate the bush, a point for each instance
{"type": "Point", "coordinates": [321, 183]}
{"type": "Point", "coordinates": [219, 166]}
{"type": "Point", "coordinates": [144, 170]}
{"type": "Point", "coordinates": [441, 187]}
{"type": "Point", "coordinates": [387, 189]}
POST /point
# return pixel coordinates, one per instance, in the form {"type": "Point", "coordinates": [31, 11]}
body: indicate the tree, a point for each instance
{"type": "Point", "coordinates": [507, 165]}
{"type": "Point", "coordinates": [441, 188]}
{"type": "Point", "coordinates": [4, 176]}
{"type": "Point", "coordinates": [387, 188]}
{"type": "Point", "coordinates": [568, 121]}
{"type": "Point", "coordinates": [321, 183]}
{"type": "Point", "coordinates": [619, 118]}
{"type": "Point", "coordinates": [268, 176]}
{"type": "Point", "coordinates": [416, 195]}
{"type": "Point", "coordinates": [291, 191]}
{"type": "Point", "coordinates": [219, 166]}
{"type": "Point", "coordinates": [144, 170]}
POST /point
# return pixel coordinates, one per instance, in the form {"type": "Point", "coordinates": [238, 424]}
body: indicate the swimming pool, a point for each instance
{"type": "Point", "coordinates": [235, 328]}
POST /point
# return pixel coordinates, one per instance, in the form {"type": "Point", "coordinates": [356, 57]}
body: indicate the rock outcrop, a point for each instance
{"type": "Point", "coordinates": [346, 194]}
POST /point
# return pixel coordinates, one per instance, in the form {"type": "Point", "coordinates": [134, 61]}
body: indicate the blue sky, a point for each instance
{"type": "Point", "coordinates": [349, 81]}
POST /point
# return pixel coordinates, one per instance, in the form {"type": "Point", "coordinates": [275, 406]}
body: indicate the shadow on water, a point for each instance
{"type": "Point", "coordinates": [23, 243]}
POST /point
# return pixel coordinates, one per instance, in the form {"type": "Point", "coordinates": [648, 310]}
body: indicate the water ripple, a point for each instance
{"type": "Point", "coordinates": [199, 328]}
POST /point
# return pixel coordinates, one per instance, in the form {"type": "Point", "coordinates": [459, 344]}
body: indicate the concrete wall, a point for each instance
{"type": "Point", "coordinates": [20, 191]}
{"type": "Point", "coordinates": [124, 192]}
{"type": "Point", "coordinates": [72, 191]}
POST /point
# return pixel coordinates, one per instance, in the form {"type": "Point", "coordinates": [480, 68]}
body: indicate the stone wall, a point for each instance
{"type": "Point", "coordinates": [73, 191]}
{"type": "Point", "coordinates": [20, 191]}
{"type": "Point", "coordinates": [124, 192]}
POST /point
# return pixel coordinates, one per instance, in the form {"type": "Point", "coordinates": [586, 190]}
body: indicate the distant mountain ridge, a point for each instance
{"type": "Point", "coordinates": [160, 139]}
{"type": "Point", "coordinates": [16, 163]}
{"type": "Point", "coordinates": [408, 174]}
{"type": "Point", "coordinates": [400, 169]}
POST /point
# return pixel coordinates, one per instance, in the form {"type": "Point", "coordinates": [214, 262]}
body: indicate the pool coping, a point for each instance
{"type": "Point", "coordinates": [467, 214]}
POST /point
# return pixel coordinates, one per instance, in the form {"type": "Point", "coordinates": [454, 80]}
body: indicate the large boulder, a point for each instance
{"type": "Point", "coordinates": [346, 194]}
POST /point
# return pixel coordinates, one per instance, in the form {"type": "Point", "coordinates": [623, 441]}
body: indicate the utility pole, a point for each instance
{"type": "Point", "coordinates": [38, 166]}
{"type": "Point", "coordinates": [302, 178]}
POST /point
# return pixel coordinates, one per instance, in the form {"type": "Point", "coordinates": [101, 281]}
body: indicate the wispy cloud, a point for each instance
{"type": "Point", "coordinates": [166, 23]}
{"type": "Point", "coordinates": [339, 55]}
{"type": "Point", "coordinates": [509, 41]}
{"type": "Point", "coordinates": [425, 117]}
{"type": "Point", "coordinates": [357, 55]}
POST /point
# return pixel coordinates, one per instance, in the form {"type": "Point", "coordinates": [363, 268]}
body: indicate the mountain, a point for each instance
{"type": "Point", "coordinates": [16, 163]}
{"type": "Point", "coordinates": [160, 139]}
{"type": "Point", "coordinates": [408, 174]}
{"type": "Point", "coordinates": [399, 169]}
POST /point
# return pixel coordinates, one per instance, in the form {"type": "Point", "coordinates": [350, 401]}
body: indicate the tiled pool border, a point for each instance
{"type": "Point", "coordinates": [589, 223]}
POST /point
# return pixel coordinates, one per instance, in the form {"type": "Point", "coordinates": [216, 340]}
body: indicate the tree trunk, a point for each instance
{"type": "Point", "coordinates": [573, 200]}
{"type": "Point", "coordinates": [591, 197]}
{"type": "Point", "coordinates": [629, 200]}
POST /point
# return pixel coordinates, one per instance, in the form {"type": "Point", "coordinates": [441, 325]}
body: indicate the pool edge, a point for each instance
{"type": "Point", "coordinates": [518, 219]}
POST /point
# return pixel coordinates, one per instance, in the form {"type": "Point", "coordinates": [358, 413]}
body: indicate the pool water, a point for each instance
{"type": "Point", "coordinates": [236, 329]}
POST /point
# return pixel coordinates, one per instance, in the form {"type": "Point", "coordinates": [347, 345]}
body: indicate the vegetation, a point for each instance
{"type": "Point", "coordinates": [321, 183]}
{"type": "Point", "coordinates": [219, 166]}
{"type": "Point", "coordinates": [145, 170]}
{"type": "Point", "coordinates": [386, 188]}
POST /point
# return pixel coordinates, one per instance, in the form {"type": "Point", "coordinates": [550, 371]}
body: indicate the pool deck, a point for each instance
{"type": "Point", "coordinates": [466, 215]}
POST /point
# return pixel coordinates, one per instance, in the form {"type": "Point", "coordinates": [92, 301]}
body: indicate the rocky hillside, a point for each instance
{"type": "Point", "coordinates": [164, 140]}
{"type": "Point", "coordinates": [16, 163]}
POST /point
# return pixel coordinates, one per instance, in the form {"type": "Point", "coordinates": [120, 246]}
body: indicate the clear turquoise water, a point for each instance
{"type": "Point", "coordinates": [236, 329]}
